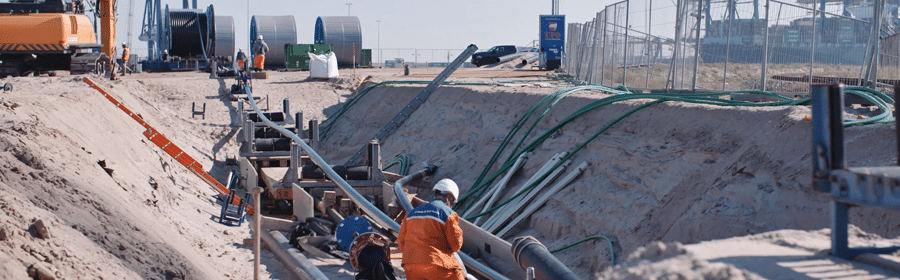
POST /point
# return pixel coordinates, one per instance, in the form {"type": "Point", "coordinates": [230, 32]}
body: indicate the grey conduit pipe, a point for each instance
{"type": "Point", "coordinates": [302, 268]}
{"type": "Point", "coordinates": [398, 186]}
{"type": "Point", "coordinates": [357, 198]}
{"type": "Point", "coordinates": [529, 252]}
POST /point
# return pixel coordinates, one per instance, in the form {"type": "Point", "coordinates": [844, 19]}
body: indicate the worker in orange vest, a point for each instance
{"type": "Point", "coordinates": [241, 59]}
{"type": "Point", "coordinates": [431, 235]}
{"type": "Point", "coordinates": [259, 51]}
{"type": "Point", "coordinates": [126, 52]}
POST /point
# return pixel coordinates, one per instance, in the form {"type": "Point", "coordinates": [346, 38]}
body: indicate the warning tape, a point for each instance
{"type": "Point", "coordinates": [170, 148]}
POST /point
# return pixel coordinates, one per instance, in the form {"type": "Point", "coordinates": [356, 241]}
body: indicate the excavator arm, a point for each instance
{"type": "Point", "coordinates": [107, 16]}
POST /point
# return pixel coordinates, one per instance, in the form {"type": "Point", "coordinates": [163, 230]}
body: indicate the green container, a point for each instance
{"type": "Point", "coordinates": [366, 60]}
{"type": "Point", "coordinates": [296, 55]}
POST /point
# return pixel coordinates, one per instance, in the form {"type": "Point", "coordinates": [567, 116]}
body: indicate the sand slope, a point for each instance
{"type": "Point", "coordinates": [673, 172]}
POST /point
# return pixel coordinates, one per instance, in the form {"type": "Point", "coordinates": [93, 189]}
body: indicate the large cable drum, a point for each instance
{"type": "Point", "coordinates": [277, 31]}
{"type": "Point", "coordinates": [188, 32]}
{"type": "Point", "coordinates": [344, 34]}
{"type": "Point", "coordinates": [224, 36]}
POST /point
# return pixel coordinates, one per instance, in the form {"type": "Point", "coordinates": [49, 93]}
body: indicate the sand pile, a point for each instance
{"type": "Point", "coordinates": [672, 172]}
{"type": "Point", "coordinates": [150, 218]}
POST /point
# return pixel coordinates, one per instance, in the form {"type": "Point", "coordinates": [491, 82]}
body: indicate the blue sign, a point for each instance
{"type": "Point", "coordinates": [553, 35]}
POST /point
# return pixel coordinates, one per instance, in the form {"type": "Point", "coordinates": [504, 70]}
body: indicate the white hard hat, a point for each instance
{"type": "Point", "coordinates": [124, 44]}
{"type": "Point", "coordinates": [447, 186]}
{"type": "Point", "coordinates": [259, 37]}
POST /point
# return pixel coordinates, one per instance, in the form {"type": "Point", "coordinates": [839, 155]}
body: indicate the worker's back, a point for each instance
{"type": "Point", "coordinates": [430, 235]}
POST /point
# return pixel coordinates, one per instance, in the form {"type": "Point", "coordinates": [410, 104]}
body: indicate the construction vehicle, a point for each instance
{"type": "Point", "coordinates": [39, 36]}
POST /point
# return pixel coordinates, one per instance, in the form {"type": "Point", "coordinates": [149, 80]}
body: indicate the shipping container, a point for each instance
{"type": "Point", "coordinates": [366, 60]}
{"type": "Point", "coordinates": [296, 56]}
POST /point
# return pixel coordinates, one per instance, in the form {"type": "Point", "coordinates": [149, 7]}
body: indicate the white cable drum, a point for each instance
{"type": "Point", "coordinates": [344, 34]}
{"type": "Point", "coordinates": [277, 31]}
{"type": "Point", "coordinates": [224, 32]}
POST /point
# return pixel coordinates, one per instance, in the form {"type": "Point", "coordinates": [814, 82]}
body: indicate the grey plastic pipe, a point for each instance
{"type": "Point", "coordinates": [529, 252]}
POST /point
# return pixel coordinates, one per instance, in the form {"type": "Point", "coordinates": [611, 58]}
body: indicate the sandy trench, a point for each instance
{"type": "Point", "coordinates": [675, 172]}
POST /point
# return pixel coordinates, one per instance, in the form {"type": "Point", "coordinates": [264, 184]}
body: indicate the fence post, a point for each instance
{"type": "Point", "coordinates": [731, 6]}
{"type": "Point", "coordinates": [625, 53]}
{"type": "Point", "coordinates": [647, 42]}
{"type": "Point", "coordinates": [591, 66]}
{"type": "Point", "coordinates": [697, 45]}
{"type": "Point", "coordinates": [678, 23]}
{"type": "Point", "coordinates": [765, 64]}
{"type": "Point", "coordinates": [603, 59]}
{"type": "Point", "coordinates": [812, 50]}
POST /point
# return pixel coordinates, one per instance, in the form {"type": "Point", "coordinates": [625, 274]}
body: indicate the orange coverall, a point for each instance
{"type": "Point", "coordinates": [428, 238]}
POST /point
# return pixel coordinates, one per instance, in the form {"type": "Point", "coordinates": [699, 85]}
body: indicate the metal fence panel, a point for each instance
{"type": "Point", "coordinates": [732, 45]}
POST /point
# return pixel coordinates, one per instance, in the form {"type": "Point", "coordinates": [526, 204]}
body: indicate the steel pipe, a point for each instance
{"type": "Point", "coordinates": [295, 261]}
{"type": "Point", "coordinates": [398, 186]}
{"type": "Point", "coordinates": [529, 252]}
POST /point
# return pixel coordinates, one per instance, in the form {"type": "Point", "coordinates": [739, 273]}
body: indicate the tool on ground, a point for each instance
{"type": "Point", "coordinates": [230, 212]}
{"type": "Point", "coordinates": [194, 111]}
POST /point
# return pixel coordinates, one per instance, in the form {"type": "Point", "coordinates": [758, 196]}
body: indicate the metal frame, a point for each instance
{"type": "Point", "coordinates": [848, 187]}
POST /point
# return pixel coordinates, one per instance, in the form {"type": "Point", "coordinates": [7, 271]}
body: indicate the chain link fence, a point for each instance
{"type": "Point", "coordinates": [732, 45]}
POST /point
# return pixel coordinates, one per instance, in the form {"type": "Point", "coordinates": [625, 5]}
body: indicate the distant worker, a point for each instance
{"type": "Point", "coordinates": [126, 52]}
{"type": "Point", "coordinates": [431, 235]}
{"type": "Point", "coordinates": [241, 59]}
{"type": "Point", "coordinates": [259, 51]}
{"type": "Point", "coordinates": [79, 6]}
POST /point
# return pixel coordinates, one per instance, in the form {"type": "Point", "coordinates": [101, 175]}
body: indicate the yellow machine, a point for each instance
{"type": "Point", "coordinates": [41, 36]}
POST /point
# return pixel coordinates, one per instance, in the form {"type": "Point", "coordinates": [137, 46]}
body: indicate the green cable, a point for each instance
{"type": "Point", "coordinates": [403, 161]}
{"type": "Point", "coordinates": [612, 253]}
{"type": "Point", "coordinates": [874, 97]}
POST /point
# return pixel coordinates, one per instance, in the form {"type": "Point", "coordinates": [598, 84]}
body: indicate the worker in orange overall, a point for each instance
{"type": "Point", "coordinates": [241, 59]}
{"type": "Point", "coordinates": [430, 236]}
{"type": "Point", "coordinates": [126, 53]}
{"type": "Point", "coordinates": [259, 51]}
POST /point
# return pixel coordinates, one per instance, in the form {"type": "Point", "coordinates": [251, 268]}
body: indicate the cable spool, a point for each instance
{"type": "Point", "coordinates": [344, 34]}
{"type": "Point", "coordinates": [276, 31]}
{"type": "Point", "coordinates": [223, 34]}
{"type": "Point", "coordinates": [189, 32]}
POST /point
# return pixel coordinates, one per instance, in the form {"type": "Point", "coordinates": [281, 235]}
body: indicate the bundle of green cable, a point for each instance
{"type": "Point", "coordinates": [403, 161]}
{"type": "Point", "coordinates": [880, 100]}
{"type": "Point", "coordinates": [481, 184]}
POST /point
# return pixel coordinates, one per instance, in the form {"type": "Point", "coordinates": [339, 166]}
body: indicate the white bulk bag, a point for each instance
{"type": "Point", "coordinates": [323, 65]}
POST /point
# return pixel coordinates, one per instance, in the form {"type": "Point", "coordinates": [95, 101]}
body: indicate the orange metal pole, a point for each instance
{"type": "Point", "coordinates": [170, 148]}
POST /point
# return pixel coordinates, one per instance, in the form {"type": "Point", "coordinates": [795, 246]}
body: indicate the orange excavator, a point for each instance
{"type": "Point", "coordinates": [39, 36]}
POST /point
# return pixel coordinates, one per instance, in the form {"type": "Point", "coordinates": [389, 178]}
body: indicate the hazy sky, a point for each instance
{"type": "Point", "coordinates": [422, 24]}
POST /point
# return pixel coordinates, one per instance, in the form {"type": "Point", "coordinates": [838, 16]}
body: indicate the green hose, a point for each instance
{"type": "Point", "coordinates": [612, 253]}
{"type": "Point", "coordinates": [403, 161]}
{"type": "Point", "coordinates": [476, 191]}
